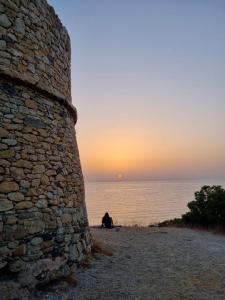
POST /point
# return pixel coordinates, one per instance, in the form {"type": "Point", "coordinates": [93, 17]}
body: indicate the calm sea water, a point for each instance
{"type": "Point", "coordinates": [140, 202]}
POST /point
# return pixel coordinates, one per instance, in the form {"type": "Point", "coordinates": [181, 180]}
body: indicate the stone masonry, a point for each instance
{"type": "Point", "coordinates": [44, 230]}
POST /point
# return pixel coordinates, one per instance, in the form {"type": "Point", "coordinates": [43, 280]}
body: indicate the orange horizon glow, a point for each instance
{"type": "Point", "coordinates": [122, 153]}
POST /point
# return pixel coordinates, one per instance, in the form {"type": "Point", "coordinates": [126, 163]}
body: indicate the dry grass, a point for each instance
{"type": "Point", "coordinates": [99, 247]}
{"type": "Point", "coordinates": [208, 281]}
{"type": "Point", "coordinates": [85, 263]}
{"type": "Point", "coordinates": [60, 284]}
{"type": "Point", "coordinates": [215, 230]}
{"type": "Point", "coordinates": [178, 223]}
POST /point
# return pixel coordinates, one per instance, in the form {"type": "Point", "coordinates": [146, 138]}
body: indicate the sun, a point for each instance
{"type": "Point", "coordinates": [119, 176]}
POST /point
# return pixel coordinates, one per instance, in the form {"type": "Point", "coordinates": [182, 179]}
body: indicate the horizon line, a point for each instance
{"type": "Point", "coordinates": [154, 179]}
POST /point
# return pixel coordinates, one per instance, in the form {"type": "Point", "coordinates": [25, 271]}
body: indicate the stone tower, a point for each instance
{"type": "Point", "coordinates": [43, 222]}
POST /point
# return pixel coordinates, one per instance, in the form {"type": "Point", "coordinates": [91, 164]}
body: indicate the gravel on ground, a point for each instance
{"type": "Point", "coordinates": [153, 264]}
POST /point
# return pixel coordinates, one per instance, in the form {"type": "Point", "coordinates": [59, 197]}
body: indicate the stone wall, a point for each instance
{"type": "Point", "coordinates": [35, 47]}
{"type": "Point", "coordinates": [43, 222]}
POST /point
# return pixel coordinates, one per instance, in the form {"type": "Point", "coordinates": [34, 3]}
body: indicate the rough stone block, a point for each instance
{"type": "Point", "coordinates": [16, 196]}
{"type": "Point", "coordinates": [24, 205]}
{"type": "Point", "coordinates": [7, 153]}
{"type": "Point", "coordinates": [4, 21]}
{"type": "Point", "coordinates": [5, 205]}
{"type": "Point", "coordinates": [8, 186]}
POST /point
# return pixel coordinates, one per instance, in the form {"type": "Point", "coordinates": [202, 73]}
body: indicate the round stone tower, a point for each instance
{"type": "Point", "coordinates": [43, 222]}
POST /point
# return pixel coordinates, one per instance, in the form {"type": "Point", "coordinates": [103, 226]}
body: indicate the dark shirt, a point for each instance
{"type": "Point", "coordinates": [106, 222]}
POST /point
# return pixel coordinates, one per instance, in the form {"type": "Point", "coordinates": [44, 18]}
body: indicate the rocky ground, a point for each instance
{"type": "Point", "coordinates": [150, 263]}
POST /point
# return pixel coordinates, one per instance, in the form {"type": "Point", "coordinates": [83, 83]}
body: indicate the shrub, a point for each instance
{"type": "Point", "coordinates": [177, 222]}
{"type": "Point", "coordinates": [99, 247]}
{"type": "Point", "coordinates": [208, 208]}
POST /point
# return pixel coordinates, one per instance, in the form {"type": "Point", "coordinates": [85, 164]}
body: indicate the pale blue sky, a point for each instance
{"type": "Point", "coordinates": [151, 75]}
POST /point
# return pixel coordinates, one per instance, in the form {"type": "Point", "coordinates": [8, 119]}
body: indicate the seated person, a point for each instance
{"type": "Point", "coordinates": [107, 221]}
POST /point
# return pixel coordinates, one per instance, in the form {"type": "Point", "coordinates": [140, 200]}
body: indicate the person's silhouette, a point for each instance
{"type": "Point", "coordinates": [107, 221]}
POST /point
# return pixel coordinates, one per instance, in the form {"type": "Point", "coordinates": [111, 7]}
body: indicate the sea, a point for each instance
{"type": "Point", "coordinates": [141, 203]}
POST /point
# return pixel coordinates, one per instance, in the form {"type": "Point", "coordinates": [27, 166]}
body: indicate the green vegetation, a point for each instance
{"type": "Point", "coordinates": [207, 210]}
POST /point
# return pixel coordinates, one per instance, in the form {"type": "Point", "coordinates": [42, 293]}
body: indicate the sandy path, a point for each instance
{"type": "Point", "coordinates": [154, 263]}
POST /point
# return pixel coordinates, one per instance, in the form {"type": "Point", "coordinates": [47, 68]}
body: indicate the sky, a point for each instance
{"type": "Point", "coordinates": [148, 81]}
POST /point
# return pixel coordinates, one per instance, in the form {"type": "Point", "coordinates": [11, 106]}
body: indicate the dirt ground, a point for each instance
{"type": "Point", "coordinates": [150, 263]}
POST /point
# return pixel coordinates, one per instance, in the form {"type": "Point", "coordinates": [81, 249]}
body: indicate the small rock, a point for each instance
{"type": "Point", "coordinates": [7, 153]}
{"type": "Point", "coordinates": [31, 68]}
{"type": "Point", "coordinates": [19, 25]}
{"type": "Point", "coordinates": [50, 195]}
{"type": "Point", "coordinates": [16, 196]}
{"type": "Point", "coordinates": [30, 137]}
{"type": "Point", "coordinates": [34, 121]}
{"type": "Point", "coordinates": [17, 173]}
{"type": "Point", "coordinates": [9, 116]}
{"type": "Point", "coordinates": [4, 21]}
{"type": "Point", "coordinates": [4, 133]}
{"type": "Point", "coordinates": [31, 104]}
{"type": "Point", "coordinates": [13, 127]}
{"type": "Point", "coordinates": [51, 173]}
{"type": "Point", "coordinates": [4, 163]}
{"type": "Point", "coordinates": [23, 164]}
{"type": "Point", "coordinates": [45, 180]}
{"type": "Point", "coordinates": [11, 37]}
{"type": "Point", "coordinates": [43, 132]}
{"type": "Point", "coordinates": [9, 142]}
{"type": "Point", "coordinates": [41, 66]}
{"type": "Point", "coordinates": [38, 169]}
{"type": "Point", "coordinates": [32, 192]}
{"type": "Point", "coordinates": [66, 218]}
{"type": "Point", "coordinates": [2, 8]}
{"type": "Point", "coordinates": [24, 205]}
{"type": "Point", "coordinates": [12, 245]}
{"type": "Point", "coordinates": [5, 205]}
{"type": "Point", "coordinates": [15, 52]}
{"type": "Point", "coordinates": [36, 183]}
{"type": "Point", "coordinates": [25, 184]}
{"type": "Point", "coordinates": [17, 266]}
{"type": "Point", "coordinates": [25, 95]}
{"type": "Point", "coordinates": [54, 201]}
{"type": "Point", "coordinates": [41, 203]}
{"type": "Point", "coordinates": [33, 226]}
{"type": "Point", "coordinates": [8, 186]}
{"type": "Point", "coordinates": [4, 61]}
{"type": "Point", "coordinates": [33, 157]}
{"type": "Point", "coordinates": [12, 220]}
{"type": "Point", "coordinates": [73, 253]}
{"type": "Point", "coordinates": [60, 177]}
{"type": "Point", "coordinates": [36, 241]}
{"type": "Point", "coordinates": [2, 44]}
{"type": "Point", "coordinates": [45, 60]}
{"type": "Point", "coordinates": [3, 147]}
